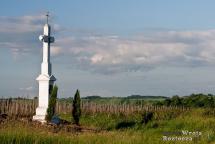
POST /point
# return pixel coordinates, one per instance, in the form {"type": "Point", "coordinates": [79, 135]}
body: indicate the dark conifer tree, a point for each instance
{"type": "Point", "coordinates": [52, 103]}
{"type": "Point", "coordinates": [76, 107]}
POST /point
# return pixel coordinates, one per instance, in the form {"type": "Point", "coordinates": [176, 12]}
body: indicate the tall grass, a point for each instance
{"type": "Point", "coordinates": [27, 107]}
{"type": "Point", "coordinates": [18, 132]}
{"type": "Point", "coordinates": [113, 126]}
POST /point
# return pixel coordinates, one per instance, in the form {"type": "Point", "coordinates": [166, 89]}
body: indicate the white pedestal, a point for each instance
{"type": "Point", "coordinates": [45, 82]}
{"type": "Point", "coordinates": [40, 114]}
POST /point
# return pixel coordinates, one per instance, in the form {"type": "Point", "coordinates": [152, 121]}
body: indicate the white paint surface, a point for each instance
{"type": "Point", "coordinates": [46, 78]}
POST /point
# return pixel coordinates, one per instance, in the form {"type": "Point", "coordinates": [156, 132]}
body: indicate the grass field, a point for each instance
{"type": "Point", "coordinates": [117, 129]}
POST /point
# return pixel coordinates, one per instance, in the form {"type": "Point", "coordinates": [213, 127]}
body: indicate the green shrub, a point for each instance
{"type": "Point", "coordinates": [194, 100]}
{"type": "Point", "coordinates": [147, 116]}
{"type": "Point", "coordinates": [52, 104]}
{"type": "Point", "coordinates": [76, 110]}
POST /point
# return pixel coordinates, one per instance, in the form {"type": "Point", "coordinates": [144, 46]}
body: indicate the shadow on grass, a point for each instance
{"type": "Point", "coordinates": [125, 124]}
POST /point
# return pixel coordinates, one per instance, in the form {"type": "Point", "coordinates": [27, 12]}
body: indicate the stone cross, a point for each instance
{"type": "Point", "coordinates": [46, 79]}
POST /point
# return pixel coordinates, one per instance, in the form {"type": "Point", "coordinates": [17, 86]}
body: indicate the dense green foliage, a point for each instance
{"type": "Point", "coordinates": [76, 109]}
{"type": "Point", "coordinates": [133, 99]}
{"type": "Point", "coordinates": [52, 103]}
{"type": "Point", "coordinates": [145, 97]}
{"type": "Point", "coordinates": [194, 100]}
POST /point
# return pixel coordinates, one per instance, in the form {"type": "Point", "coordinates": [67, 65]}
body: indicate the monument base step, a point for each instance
{"type": "Point", "coordinates": [40, 118]}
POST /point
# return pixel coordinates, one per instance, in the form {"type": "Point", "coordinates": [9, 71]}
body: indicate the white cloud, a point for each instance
{"type": "Point", "coordinates": [106, 54]}
{"type": "Point", "coordinates": [20, 34]}
{"type": "Point", "coordinates": [30, 88]}
{"type": "Point", "coordinates": [21, 24]}
{"type": "Point", "coordinates": [111, 54]}
{"type": "Point", "coordinates": [97, 58]}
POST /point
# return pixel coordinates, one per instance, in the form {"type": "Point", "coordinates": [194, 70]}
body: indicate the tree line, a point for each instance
{"type": "Point", "coordinates": [193, 100]}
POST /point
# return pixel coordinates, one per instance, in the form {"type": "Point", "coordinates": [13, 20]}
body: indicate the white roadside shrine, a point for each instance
{"type": "Point", "coordinates": [46, 79]}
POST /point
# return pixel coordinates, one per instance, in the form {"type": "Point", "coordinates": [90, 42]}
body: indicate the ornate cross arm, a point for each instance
{"type": "Point", "coordinates": [47, 39]}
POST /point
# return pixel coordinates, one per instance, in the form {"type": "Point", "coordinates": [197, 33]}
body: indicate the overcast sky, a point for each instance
{"type": "Point", "coordinates": [110, 47]}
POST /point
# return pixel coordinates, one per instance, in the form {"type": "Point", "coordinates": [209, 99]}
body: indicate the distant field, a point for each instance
{"type": "Point", "coordinates": [133, 99]}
